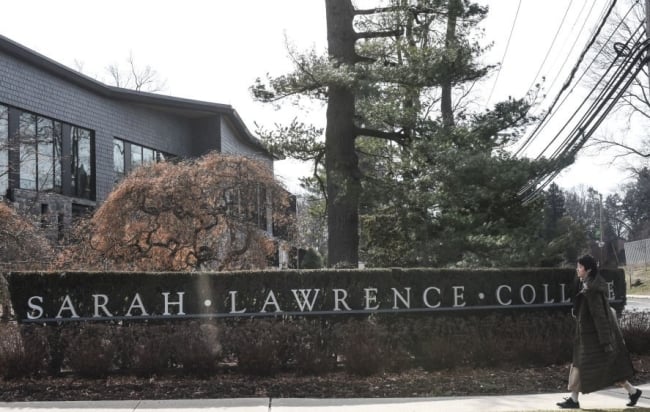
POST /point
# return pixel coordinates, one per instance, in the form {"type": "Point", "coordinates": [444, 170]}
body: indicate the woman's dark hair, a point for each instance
{"type": "Point", "coordinates": [589, 263]}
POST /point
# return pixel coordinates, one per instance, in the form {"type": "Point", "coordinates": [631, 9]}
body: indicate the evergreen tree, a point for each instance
{"type": "Point", "coordinates": [384, 69]}
{"type": "Point", "coordinates": [635, 206]}
{"type": "Point", "coordinates": [553, 210]}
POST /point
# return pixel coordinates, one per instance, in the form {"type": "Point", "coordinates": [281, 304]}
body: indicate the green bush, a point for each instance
{"type": "Point", "coordinates": [311, 260]}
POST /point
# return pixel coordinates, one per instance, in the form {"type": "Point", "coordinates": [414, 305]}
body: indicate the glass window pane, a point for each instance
{"type": "Point", "coordinates": [85, 162]}
{"type": "Point", "coordinates": [82, 174]}
{"type": "Point", "coordinates": [136, 155]}
{"type": "Point", "coordinates": [27, 132]}
{"type": "Point", "coordinates": [4, 152]}
{"type": "Point", "coordinates": [147, 156]}
{"type": "Point", "coordinates": [45, 154]}
{"type": "Point", "coordinates": [118, 159]}
{"type": "Point", "coordinates": [57, 136]}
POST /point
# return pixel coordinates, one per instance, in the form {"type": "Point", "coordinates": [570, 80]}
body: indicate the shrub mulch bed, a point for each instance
{"type": "Point", "coordinates": [462, 381]}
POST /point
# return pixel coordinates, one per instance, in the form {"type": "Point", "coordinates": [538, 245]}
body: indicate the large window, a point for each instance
{"type": "Point", "coordinates": [127, 156]}
{"type": "Point", "coordinates": [40, 153]}
{"type": "Point", "coordinates": [33, 156]}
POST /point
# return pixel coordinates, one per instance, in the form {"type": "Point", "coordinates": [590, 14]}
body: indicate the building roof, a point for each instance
{"type": "Point", "coordinates": [182, 107]}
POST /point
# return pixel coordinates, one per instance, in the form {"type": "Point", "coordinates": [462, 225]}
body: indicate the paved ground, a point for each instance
{"type": "Point", "coordinates": [638, 303]}
{"type": "Point", "coordinates": [610, 398]}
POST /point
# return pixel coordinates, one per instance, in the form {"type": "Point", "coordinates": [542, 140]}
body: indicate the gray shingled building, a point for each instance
{"type": "Point", "coordinates": [65, 138]}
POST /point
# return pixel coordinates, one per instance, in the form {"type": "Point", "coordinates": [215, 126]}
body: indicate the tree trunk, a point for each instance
{"type": "Point", "coordinates": [454, 10]}
{"type": "Point", "coordinates": [341, 163]}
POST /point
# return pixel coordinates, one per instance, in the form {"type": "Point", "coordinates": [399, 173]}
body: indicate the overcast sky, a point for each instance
{"type": "Point", "coordinates": [214, 50]}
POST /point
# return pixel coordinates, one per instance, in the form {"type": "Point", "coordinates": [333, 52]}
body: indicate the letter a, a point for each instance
{"type": "Point", "coordinates": [270, 300]}
{"type": "Point", "coordinates": [137, 304]}
{"type": "Point", "coordinates": [67, 305]}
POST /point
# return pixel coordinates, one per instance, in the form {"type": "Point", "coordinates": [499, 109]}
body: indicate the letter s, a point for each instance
{"type": "Point", "coordinates": [34, 307]}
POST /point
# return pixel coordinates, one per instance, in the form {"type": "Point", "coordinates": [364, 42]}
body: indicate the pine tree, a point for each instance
{"type": "Point", "coordinates": [385, 68]}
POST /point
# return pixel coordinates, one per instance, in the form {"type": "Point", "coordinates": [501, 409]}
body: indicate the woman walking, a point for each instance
{"type": "Point", "coordinates": [600, 358]}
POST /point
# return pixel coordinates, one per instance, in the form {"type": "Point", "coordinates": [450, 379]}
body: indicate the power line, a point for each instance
{"type": "Point", "coordinates": [597, 103]}
{"type": "Point", "coordinates": [503, 59]}
{"type": "Point", "coordinates": [622, 70]}
{"type": "Point", "coordinates": [551, 110]}
{"type": "Point", "coordinates": [627, 71]}
{"type": "Point", "coordinates": [575, 41]}
{"type": "Point", "coordinates": [572, 74]}
{"type": "Point", "coordinates": [563, 155]}
{"type": "Point", "coordinates": [592, 91]}
{"type": "Point", "coordinates": [557, 32]}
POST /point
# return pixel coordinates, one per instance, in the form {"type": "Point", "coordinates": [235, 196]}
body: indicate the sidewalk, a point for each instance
{"type": "Point", "coordinates": [610, 398]}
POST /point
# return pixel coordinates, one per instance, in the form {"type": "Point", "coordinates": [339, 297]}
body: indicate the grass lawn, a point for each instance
{"type": "Point", "coordinates": [637, 280]}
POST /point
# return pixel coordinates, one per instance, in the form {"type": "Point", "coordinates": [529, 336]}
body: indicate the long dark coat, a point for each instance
{"type": "Point", "coordinates": [596, 327]}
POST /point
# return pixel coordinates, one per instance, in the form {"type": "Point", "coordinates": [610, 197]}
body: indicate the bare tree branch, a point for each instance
{"type": "Point", "coordinates": [628, 150]}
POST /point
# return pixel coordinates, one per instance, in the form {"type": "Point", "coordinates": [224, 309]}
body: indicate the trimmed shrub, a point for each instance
{"type": "Point", "coordinates": [635, 327]}
{"type": "Point", "coordinates": [22, 351]}
{"type": "Point", "coordinates": [314, 347]}
{"type": "Point", "coordinates": [263, 347]}
{"type": "Point", "coordinates": [439, 352]}
{"type": "Point", "coordinates": [445, 342]}
{"type": "Point", "coordinates": [197, 347]}
{"type": "Point", "coordinates": [90, 351]}
{"type": "Point", "coordinates": [542, 340]}
{"type": "Point", "coordinates": [437, 342]}
{"type": "Point", "coordinates": [407, 330]}
{"type": "Point", "coordinates": [257, 345]}
{"type": "Point", "coordinates": [146, 349]}
{"type": "Point", "coordinates": [362, 346]}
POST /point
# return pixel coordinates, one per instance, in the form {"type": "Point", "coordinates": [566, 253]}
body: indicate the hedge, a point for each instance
{"type": "Point", "coordinates": [72, 296]}
{"type": "Point", "coordinates": [365, 321]}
